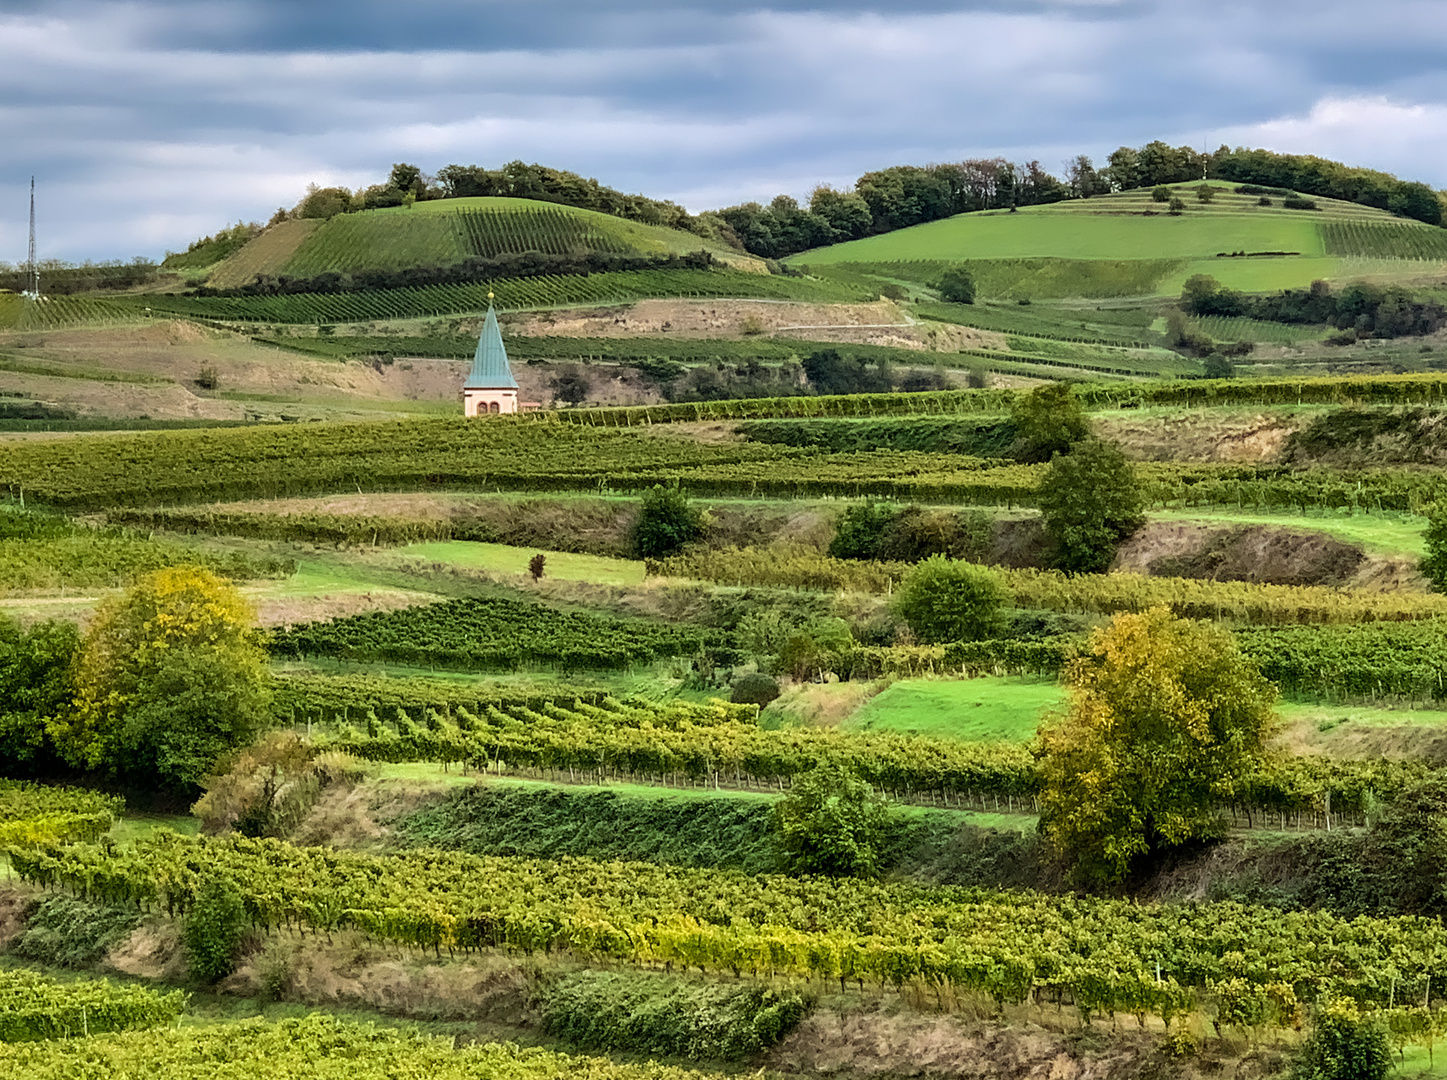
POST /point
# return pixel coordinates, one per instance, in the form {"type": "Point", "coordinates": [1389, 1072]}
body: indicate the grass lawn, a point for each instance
{"type": "Point", "coordinates": [992, 709]}
{"type": "Point", "coordinates": [1329, 716]}
{"type": "Point", "coordinates": [1385, 534]}
{"type": "Point", "coordinates": [501, 559]}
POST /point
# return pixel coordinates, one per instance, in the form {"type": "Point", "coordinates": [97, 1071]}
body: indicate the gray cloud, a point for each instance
{"type": "Point", "coordinates": [151, 123]}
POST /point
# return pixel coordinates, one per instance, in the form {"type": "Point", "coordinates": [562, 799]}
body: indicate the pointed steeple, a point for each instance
{"type": "Point", "coordinates": [490, 370]}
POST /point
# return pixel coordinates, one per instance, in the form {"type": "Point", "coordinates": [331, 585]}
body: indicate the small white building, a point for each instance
{"type": "Point", "coordinates": [490, 388]}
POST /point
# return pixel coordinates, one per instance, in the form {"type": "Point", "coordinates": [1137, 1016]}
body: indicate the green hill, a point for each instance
{"type": "Point", "coordinates": [1236, 239]}
{"type": "Point", "coordinates": [449, 231]}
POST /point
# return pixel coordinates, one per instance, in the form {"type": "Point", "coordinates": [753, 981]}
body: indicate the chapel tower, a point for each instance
{"type": "Point", "coordinates": [490, 387]}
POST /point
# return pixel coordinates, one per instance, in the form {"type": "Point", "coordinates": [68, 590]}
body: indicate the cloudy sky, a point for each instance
{"type": "Point", "coordinates": [150, 122]}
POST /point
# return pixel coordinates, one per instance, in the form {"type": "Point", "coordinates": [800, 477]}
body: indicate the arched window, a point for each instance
{"type": "Point", "coordinates": [493, 406]}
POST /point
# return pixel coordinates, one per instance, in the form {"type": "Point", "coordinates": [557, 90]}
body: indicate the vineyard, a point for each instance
{"type": "Point", "coordinates": [1384, 240]}
{"type": "Point", "coordinates": [511, 294]}
{"type": "Point", "coordinates": [315, 1047]}
{"type": "Point", "coordinates": [1234, 601]}
{"type": "Point", "coordinates": [35, 1008]}
{"type": "Point", "coordinates": [481, 635]}
{"type": "Point", "coordinates": [44, 552]}
{"type": "Point", "coordinates": [1106, 956]}
{"type": "Point", "coordinates": [598, 739]}
{"type": "Point", "coordinates": [31, 814]}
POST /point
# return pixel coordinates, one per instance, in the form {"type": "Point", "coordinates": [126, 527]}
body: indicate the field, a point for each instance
{"type": "Point", "coordinates": [744, 805]}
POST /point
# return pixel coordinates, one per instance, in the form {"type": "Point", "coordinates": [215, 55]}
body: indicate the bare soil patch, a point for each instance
{"type": "Point", "coordinates": [1199, 436]}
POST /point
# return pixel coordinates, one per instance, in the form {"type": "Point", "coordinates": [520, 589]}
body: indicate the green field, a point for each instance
{"type": "Point", "coordinates": [984, 710]}
{"type": "Point", "coordinates": [1385, 534]}
{"type": "Point", "coordinates": [502, 559]}
{"type": "Point", "coordinates": [1039, 233]}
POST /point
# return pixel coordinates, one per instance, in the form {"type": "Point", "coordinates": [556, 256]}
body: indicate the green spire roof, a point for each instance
{"type": "Point", "coordinates": [490, 370]}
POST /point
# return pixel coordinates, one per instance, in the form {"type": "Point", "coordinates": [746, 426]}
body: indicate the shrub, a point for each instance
{"type": "Point", "coordinates": [1219, 367]}
{"type": "Point", "coordinates": [1295, 202]}
{"type": "Point", "coordinates": [860, 526]}
{"type": "Point", "coordinates": [1161, 193]}
{"type": "Point", "coordinates": [213, 930]}
{"type": "Point", "coordinates": [1344, 1045]}
{"type": "Point", "coordinates": [1089, 502]}
{"type": "Point", "coordinates": [536, 565]}
{"type": "Point", "coordinates": [831, 822]}
{"type": "Point", "coordinates": [756, 689]}
{"type": "Point", "coordinates": [72, 933]}
{"type": "Point", "coordinates": [1177, 206]}
{"type": "Point", "coordinates": [666, 521]}
{"type": "Point", "coordinates": [1434, 564]}
{"type": "Point", "coordinates": [655, 1014]}
{"type": "Point", "coordinates": [956, 286]}
{"type": "Point", "coordinates": [1205, 193]}
{"type": "Point", "coordinates": [207, 378]}
{"type": "Point", "coordinates": [1265, 200]}
{"type": "Point", "coordinates": [943, 601]}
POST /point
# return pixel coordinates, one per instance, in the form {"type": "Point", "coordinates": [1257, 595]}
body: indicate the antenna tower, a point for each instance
{"type": "Point", "coordinates": [32, 267]}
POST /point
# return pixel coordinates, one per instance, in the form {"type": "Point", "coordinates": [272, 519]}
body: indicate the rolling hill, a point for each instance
{"type": "Point", "coordinates": [1236, 239]}
{"type": "Point", "coordinates": [449, 231]}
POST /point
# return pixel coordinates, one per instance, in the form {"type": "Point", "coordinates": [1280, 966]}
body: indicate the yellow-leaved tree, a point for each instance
{"type": "Point", "coordinates": [1165, 718]}
{"type": "Point", "coordinates": [169, 678]}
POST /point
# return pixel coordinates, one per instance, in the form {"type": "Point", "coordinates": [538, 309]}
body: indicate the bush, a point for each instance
{"type": "Point", "coordinates": [859, 529]}
{"type": "Point", "coordinates": [1344, 1045]}
{"type": "Point", "coordinates": [1265, 200]}
{"type": "Point", "coordinates": [956, 286]}
{"type": "Point", "coordinates": [213, 930]}
{"type": "Point", "coordinates": [208, 379]}
{"type": "Point", "coordinates": [1177, 206]}
{"type": "Point", "coordinates": [1089, 502]}
{"type": "Point", "coordinates": [1161, 193]}
{"type": "Point", "coordinates": [831, 822]}
{"type": "Point", "coordinates": [943, 601]}
{"type": "Point", "coordinates": [72, 933]}
{"type": "Point", "coordinates": [1294, 202]}
{"type": "Point", "coordinates": [1219, 367]}
{"type": "Point", "coordinates": [1434, 564]}
{"type": "Point", "coordinates": [1205, 193]}
{"type": "Point", "coordinates": [756, 689]}
{"type": "Point", "coordinates": [666, 521]}
{"type": "Point", "coordinates": [658, 1015]}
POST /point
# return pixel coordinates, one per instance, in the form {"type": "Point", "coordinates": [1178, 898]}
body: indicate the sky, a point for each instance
{"type": "Point", "coordinates": [148, 123]}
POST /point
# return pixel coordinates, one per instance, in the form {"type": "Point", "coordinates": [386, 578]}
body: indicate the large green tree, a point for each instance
{"type": "Point", "coordinates": [1048, 421]}
{"type": "Point", "coordinates": [831, 822]}
{"type": "Point", "coordinates": [1089, 502]}
{"type": "Point", "coordinates": [169, 679]}
{"type": "Point", "coordinates": [1165, 717]}
{"type": "Point", "coordinates": [943, 600]}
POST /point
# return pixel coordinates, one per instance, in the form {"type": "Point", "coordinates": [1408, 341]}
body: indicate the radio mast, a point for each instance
{"type": "Point", "coordinates": [32, 267]}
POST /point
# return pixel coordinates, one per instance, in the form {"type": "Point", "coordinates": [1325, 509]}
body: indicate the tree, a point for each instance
{"type": "Point", "coordinates": [1218, 367]}
{"type": "Point", "coordinates": [859, 530]}
{"type": "Point", "coordinates": [1089, 502]}
{"type": "Point", "coordinates": [943, 600]}
{"type": "Point", "coordinates": [666, 521]}
{"type": "Point", "coordinates": [35, 688]}
{"type": "Point", "coordinates": [1165, 716]}
{"type": "Point", "coordinates": [1048, 421]}
{"type": "Point", "coordinates": [1434, 564]}
{"type": "Point", "coordinates": [1161, 193]}
{"type": "Point", "coordinates": [957, 286]}
{"type": "Point", "coordinates": [831, 822]}
{"type": "Point", "coordinates": [168, 680]}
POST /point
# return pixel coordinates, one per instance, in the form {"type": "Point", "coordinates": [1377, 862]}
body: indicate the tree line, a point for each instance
{"type": "Point", "coordinates": [1363, 309]}
{"type": "Point", "coordinates": [524, 264]}
{"type": "Point", "coordinates": [63, 279]}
